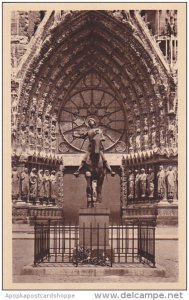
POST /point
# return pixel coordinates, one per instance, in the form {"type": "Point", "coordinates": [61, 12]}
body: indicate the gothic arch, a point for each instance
{"type": "Point", "coordinates": [110, 44]}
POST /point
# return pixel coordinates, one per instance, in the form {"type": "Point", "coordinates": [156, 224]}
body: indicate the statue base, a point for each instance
{"type": "Point", "coordinates": [94, 235]}
{"type": "Point", "coordinates": [94, 227]}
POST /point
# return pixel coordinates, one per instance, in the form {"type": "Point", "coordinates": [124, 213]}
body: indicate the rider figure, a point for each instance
{"type": "Point", "coordinates": [91, 134]}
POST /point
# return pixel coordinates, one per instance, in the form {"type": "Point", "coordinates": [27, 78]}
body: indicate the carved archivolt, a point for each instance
{"type": "Point", "coordinates": [108, 43]}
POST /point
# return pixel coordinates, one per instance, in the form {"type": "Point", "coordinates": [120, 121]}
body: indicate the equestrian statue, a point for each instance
{"type": "Point", "coordinates": [93, 163]}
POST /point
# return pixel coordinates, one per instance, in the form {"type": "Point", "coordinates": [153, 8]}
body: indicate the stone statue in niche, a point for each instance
{"type": "Point", "coordinates": [161, 183]}
{"type": "Point", "coordinates": [131, 146]}
{"type": "Point", "coordinates": [171, 182]}
{"type": "Point", "coordinates": [39, 85]}
{"type": "Point", "coordinates": [47, 186]}
{"type": "Point", "coordinates": [53, 141]}
{"type": "Point", "coordinates": [142, 183]}
{"type": "Point", "coordinates": [171, 102]}
{"type": "Point", "coordinates": [53, 128]}
{"type": "Point", "coordinates": [172, 143]}
{"type": "Point", "coordinates": [32, 120]}
{"type": "Point", "coordinates": [40, 188]}
{"type": "Point", "coordinates": [146, 123]}
{"type": "Point", "coordinates": [161, 137]}
{"type": "Point", "coordinates": [15, 183]}
{"type": "Point", "coordinates": [40, 107]}
{"type": "Point", "coordinates": [138, 123]}
{"type": "Point", "coordinates": [54, 119]}
{"type": "Point", "coordinates": [46, 125]}
{"type": "Point", "coordinates": [24, 178]}
{"type": "Point", "coordinates": [53, 187]}
{"type": "Point", "coordinates": [60, 189]}
{"type": "Point", "coordinates": [39, 137]}
{"type": "Point", "coordinates": [146, 138]}
{"type": "Point", "coordinates": [137, 187]}
{"type": "Point", "coordinates": [32, 111]}
{"type": "Point", "coordinates": [176, 186]}
{"type": "Point", "coordinates": [13, 136]}
{"type": "Point", "coordinates": [135, 109]}
{"type": "Point", "coordinates": [151, 105]}
{"type": "Point", "coordinates": [33, 184]}
{"type": "Point", "coordinates": [138, 140]}
{"type": "Point", "coordinates": [162, 120]}
{"type": "Point", "coordinates": [24, 116]}
{"type": "Point", "coordinates": [14, 107]}
{"type": "Point", "coordinates": [34, 104]}
{"type": "Point", "coordinates": [39, 122]}
{"type": "Point", "coordinates": [31, 135]}
{"type": "Point", "coordinates": [131, 181]}
{"type": "Point", "coordinates": [139, 74]}
{"type": "Point", "coordinates": [153, 82]}
{"type": "Point", "coordinates": [153, 136]}
{"type": "Point", "coordinates": [150, 183]}
{"type": "Point", "coordinates": [46, 144]}
{"type": "Point", "coordinates": [142, 102]}
{"type": "Point", "coordinates": [172, 133]}
{"type": "Point", "coordinates": [23, 138]}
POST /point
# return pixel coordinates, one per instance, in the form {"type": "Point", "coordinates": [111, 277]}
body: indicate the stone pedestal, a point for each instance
{"type": "Point", "coordinates": [94, 227]}
{"type": "Point", "coordinates": [139, 212]}
{"type": "Point", "coordinates": [26, 213]}
{"type": "Point", "coordinates": [167, 213]}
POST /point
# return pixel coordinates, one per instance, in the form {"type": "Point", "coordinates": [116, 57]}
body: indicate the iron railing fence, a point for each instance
{"type": "Point", "coordinates": [98, 245]}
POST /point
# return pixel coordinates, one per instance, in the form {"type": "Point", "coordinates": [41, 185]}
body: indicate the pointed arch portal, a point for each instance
{"type": "Point", "coordinates": [129, 93]}
{"type": "Point", "coordinates": [99, 64]}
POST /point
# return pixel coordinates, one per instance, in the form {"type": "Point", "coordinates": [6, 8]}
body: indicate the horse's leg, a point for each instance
{"type": "Point", "coordinates": [89, 191]}
{"type": "Point", "coordinates": [99, 187]}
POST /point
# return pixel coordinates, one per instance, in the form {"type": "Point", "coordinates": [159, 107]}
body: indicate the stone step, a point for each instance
{"type": "Point", "coordinates": [91, 271]}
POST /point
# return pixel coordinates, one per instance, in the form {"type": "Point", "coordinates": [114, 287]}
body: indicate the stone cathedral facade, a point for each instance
{"type": "Point", "coordinates": [118, 67]}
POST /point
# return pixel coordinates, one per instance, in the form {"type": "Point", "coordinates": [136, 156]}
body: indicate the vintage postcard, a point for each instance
{"type": "Point", "coordinates": [94, 127]}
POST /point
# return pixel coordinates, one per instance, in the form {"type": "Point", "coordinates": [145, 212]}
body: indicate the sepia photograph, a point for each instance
{"type": "Point", "coordinates": [95, 193]}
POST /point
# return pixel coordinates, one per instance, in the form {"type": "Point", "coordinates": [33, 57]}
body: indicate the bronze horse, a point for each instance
{"type": "Point", "coordinates": [95, 172]}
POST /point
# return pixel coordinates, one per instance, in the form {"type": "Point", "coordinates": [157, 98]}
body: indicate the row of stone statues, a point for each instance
{"type": "Point", "coordinates": [40, 186]}
{"type": "Point", "coordinates": [142, 185]}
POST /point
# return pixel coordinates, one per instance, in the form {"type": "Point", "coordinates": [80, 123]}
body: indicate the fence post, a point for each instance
{"type": "Point", "coordinates": [76, 243]}
{"type": "Point", "coordinates": [35, 241]}
{"type": "Point", "coordinates": [139, 242]}
{"type": "Point", "coordinates": [111, 244]}
{"type": "Point", "coordinates": [48, 239]}
{"type": "Point", "coordinates": [154, 261]}
{"type": "Point", "coordinates": [98, 229]}
{"type": "Point", "coordinates": [105, 240]}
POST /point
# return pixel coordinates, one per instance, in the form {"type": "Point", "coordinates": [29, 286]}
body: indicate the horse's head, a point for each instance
{"type": "Point", "coordinates": [96, 144]}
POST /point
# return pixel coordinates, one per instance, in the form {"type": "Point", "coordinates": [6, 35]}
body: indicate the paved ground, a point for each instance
{"type": "Point", "coordinates": [166, 256]}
